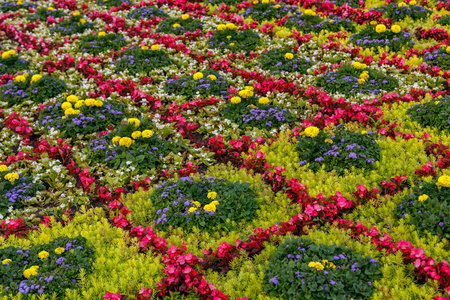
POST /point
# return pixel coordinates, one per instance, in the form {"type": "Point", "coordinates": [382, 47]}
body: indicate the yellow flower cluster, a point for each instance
{"type": "Point", "coordinates": [227, 26]}
{"type": "Point", "coordinates": [93, 102]}
{"type": "Point", "coordinates": [247, 92]}
{"type": "Point", "coordinates": [134, 121]}
{"type": "Point", "coordinates": [312, 131]}
{"type": "Point", "coordinates": [3, 168]}
{"type": "Point", "coordinates": [235, 100]}
{"type": "Point", "coordinates": [144, 48]}
{"type": "Point", "coordinates": [358, 65]}
{"type": "Point", "coordinates": [380, 28]}
{"type": "Point", "coordinates": [198, 75]}
{"type": "Point", "coordinates": [21, 78]}
{"type": "Point", "coordinates": [8, 54]}
{"type": "Point", "coordinates": [212, 195]}
{"type": "Point", "coordinates": [396, 28]}
{"type": "Point", "coordinates": [76, 13]}
{"type": "Point", "coordinates": [12, 177]}
{"type": "Point", "coordinates": [185, 17]}
{"type": "Point", "coordinates": [211, 206]}
{"type": "Point", "coordinates": [212, 77]}
{"type": "Point", "coordinates": [328, 264]}
{"type": "Point", "coordinates": [36, 78]}
{"type": "Point", "coordinates": [125, 141]}
{"type": "Point", "coordinates": [263, 100]}
{"type": "Point", "coordinates": [289, 56]}
{"type": "Point", "coordinates": [423, 197]}
{"type": "Point", "coordinates": [363, 77]}
{"type": "Point", "coordinates": [328, 141]}
{"type": "Point", "coordinates": [43, 254]}
{"type": "Point", "coordinates": [316, 265]}
{"type": "Point", "coordinates": [59, 250]}
{"type": "Point", "coordinates": [30, 272]}
{"type": "Point", "coordinates": [6, 261]}
{"type": "Point", "coordinates": [156, 47]}
{"type": "Point", "coordinates": [101, 33]}
{"type": "Point", "coordinates": [444, 181]}
{"type": "Point", "coordinates": [50, 8]}
{"type": "Point", "coordinates": [309, 12]}
{"type": "Point", "coordinates": [176, 25]}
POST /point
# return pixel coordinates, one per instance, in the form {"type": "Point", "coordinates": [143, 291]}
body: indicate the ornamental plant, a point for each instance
{"type": "Point", "coordinates": [147, 12]}
{"type": "Point", "coordinates": [180, 26]}
{"type": "Point", "coordinates": [444, 20]}
{"type": "Point", "coordinates": [45, 269]}
{"type": "Point", "coordinates": [339, 150]}
{"type": "Point", "coordinates": [352, 3]}
{"type": "Point", "coordinates": [438, 58]}
{"type": "Point", "coordinates": [113, 3]}
{"type": "Point", "coordinates": [427, 207]}
{"type": "Point", "coordinates": [332, 24]}
{"type": "Point", "coordinates": [301, 269]}
{"type": "Point", "coordinates": [228, 37]}
{"type": "Point", "coordinates": [200, 85]}
{"type": "Point", "coordinates": [15, 6]}
{"type": "Point", "coordinates": [399, 11]}
{"type": "Point", "coordinates": [357, 78]}
{"type": "Point", "coordinates": [11, 63]}
{"type": "Point", "coordinates": [256, 112]}
{"type": "Point", "coordinates": [75, 117]}
{"type": "Point", "coordinates": [303, 21]}
{"type": "Point", "coordinates": [142, 60]}
{"type": "Point", "coordinates": [101, 42]}
{"type": "Point", "coordinates": [210, 204]}
{"type": "Point", "coordinates": [226, 2]}
{"type": "Point", "coordinates": [370, 36]}
{"type": "Point", "coordinates": [31, 87]}
{"type": "Point", "coordinates": [434, 113]}
{"type": "Point", "coordinates": [268, 11]}
{"type": "Point", "coordinates": [284, 59]}
{"type": "Point", "coordinates": [43, 13]}
{"type": "Point", "coordinates": [133, 143]}
{"type": "Point", "coordinates": [15, 190]}
{"type": "Point", "coordinates": [75, 23]}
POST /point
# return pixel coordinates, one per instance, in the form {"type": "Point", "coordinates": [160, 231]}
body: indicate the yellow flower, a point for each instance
{"type": "Point", "coordinates": [328, 141]}
{"type": "Point", "coordinates": [380, 28]}
{"type": "Point", "coordinates": [396, 29]}
{"type": "Point", "coordinates": [20, 78]}
{"type": "Point", "coordinates": [447, 49]}
{"type": "Point", "coordinates": [316, 265]}
{"type": "Point", "coordinates": [79, 104]}
{"type": "Point", "coordinates": [364, 75]}
{"type": "Point", "coordinates": [249, 88]}
{"type": "Point", "coordinates": [30, 272]}
{"type": "Point", "coordinates": [89, 102]}
{"type": "Point", "coordinates": [76, 14]}
{"type": "Point", "coordinates": [212, 77]}
{"type": "Point", "coordinates": [264, 1]}
{"type": "Point", "coordinates": [311, 131]}
{"type": "Point", "coordinates": [43, 254]}
{"type": "Point", "coordinates": [209, 207]}
{"type": "Point", "coordinates": [246, 93]}
{"type": "Point", "coordinates": [66, 105]}
{"type": "Point", "coordinates": [413, 2]}
{"type": "Point", "coordinates": [147, 134]}
{"type": "Point", "coordinates": [134, 121]}
{"type": "Point", "coordinates": [212, 195]}
{"type": "Point", "coordinates": [309, 12]}
{"type": "Point", "coordinates": [6, 261]}
{"type": "Point", "coordinates": [228, 36]}
{"type": "Point", "coordinates": [176, 25]}
{"type": "Point", "coordinates": [277, 6]}
{"type": "Point", "coordinates": [125, 141]}
{"type": "Point", "coordinates": [401, 4]}
{"type": "Point", "coordinates": [156, 47]}
{"type": "Point", "coordinates": [263, 100]}
{"type": "Point", "coordinates": [192, 209]}
{"type": "Point", "coordinates": [361, 80]}
{"type": "Point", "coordinates": [12, 177]}
{"type": "Point", "coordinates": [231, 26]}
{"type": "Point", "coordinates": [59, 250]}
{"type": "Point", "coordinates": [101, 33]}
{"type": "Point", "coordinates": [444, 181]}
{"type": "Point", "coordinates": [221, 27]}
{"type": "Point", "coordinates": [373, 23]}
{"type": "Point", "coordinates": [231, 44]}
{"type": "Point", "coordinates": [423, 197]}
{"type": "Point", "coordinates": [144, 48]}
{"type": "Point", "coordinates": [51, 8]}
{"type": "Point", "coordinates": [364, 132]}
{"type": "Point", "coordinates": [255, 2]}
{"type": "Point", "coordinates": [198, 75]}
{"type": "Point", "coordinates": [98, 103]}
{"type": "Point", "coordinates": [198, 204]}
{"type": "Point", "coordinates": [72, 98]}
{"type": "Point", "coordinates": [3, 168]}
{"type": "Point", "coordinates": [6, 55]}
{"type": "Point", "coordinates": [235, 100]}
{"type": "Point", "coordinates": [116, 140]}
{"type": "Point", "coordinates": [136, 134]}
{"type": "Point", "coordinates": [82, 21]}
{"type": "Point", "coordinates": [437, 102]}
{"type": "Point", "coordinates": [215, 202]}
{"type": "Point", "coordinates": [289, 56]}
{"type": "Point", "coordinates": [185, 17]}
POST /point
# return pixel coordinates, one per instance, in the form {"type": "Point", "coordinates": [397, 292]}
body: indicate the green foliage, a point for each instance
{"type": "Point", "coordinates": [235, 40]}
{"type": "Point", "coordinates": [434, 113]}
{"type": "Point", "coordinates": [444, 20]}
{"type": "Point", "coordinates": [397, 13]}
{"type": "Point", "coordinates": [179, 26]}
{"type": "Point", "coordinates": [72, 25]}
{"type": "Point", "coordinates": [147, 12]}
{"type": "Point", "coordinates": [15, 6]}
{"type": "Point", "coordinates": [438, 58]}
{"type": "Point", "coordinates": [43, 13]}
{"type": "Point", "coordinates": [137, 60]}
{"type": "Point", "coordinates": [275, 60]}
{"type": "Point", "coordinates": [303, 270]}
{"type": "Point", "coordinates": [13, 64]}
{"type": "Point", "coordinates": [95, 44]}
{"type": "Point", "coordinates": [268, 11]}
{"type": "Point", "coordinates": [369, 38]}
{"type": "Point", "coordinates": [113, 3]}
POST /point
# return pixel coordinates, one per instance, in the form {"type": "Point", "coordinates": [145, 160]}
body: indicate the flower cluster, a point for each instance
{"type": "Point", "coordinates": [228, 37]}
{"type": "Point", "coordinates": [435, 113]}
{"type": "Point", "coordinates": [11, 63]}
{"type": "Point", "coordinates": [76, 23]}
{"type": "Point", "coordinates": [180, 26]}
{"type": "Point", "coordinates": [380, 36]}
{"type": "Point", "coordinates": [101, 42]}
{"type": "Point", "coordinates": [283, 59]}
{"type": "Point", "coordinates": [147, 12]}
{"type": "Point", "coordinates": [143, 59]}
{"type": "Point", "coordinates": [268, 10]}
{"type": "Point", "coordinates": [399, 11]}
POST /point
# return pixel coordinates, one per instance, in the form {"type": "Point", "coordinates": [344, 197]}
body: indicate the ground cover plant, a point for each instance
{"type": "Point", "coordinates": [229, 149]}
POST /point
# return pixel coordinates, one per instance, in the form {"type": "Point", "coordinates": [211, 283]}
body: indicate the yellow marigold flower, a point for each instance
{"type": "Point", "coordinates": [263, 100]}
{"type": "Point", "coordinates": [356, 64]}
{"type": "Point", "coordinates": [116, 140]}
{"type": "Point", "coordinates": [364, 132]}
{"type": "Point", "coordinates": [185, 17]}
{"type": "Point", "coordinates": [423, 197]}
{"type": "Point", "coordinates": [255, 2]}
{"type": "Point", "coordinates": [396, 28]}
{"type": "Point", "coordinates": [176, 25]}
{"type": "Point", "coordinates": [144, 48]}
{"type": "Point", "coordinates": [101, 33]}
{"type": "Point", "coordinates": [192, 209]}
{"type": "Point", "coordinates": [30, 272]}
{"type": "Point", "coordinates": [277, 6]}
{"type": "Point", "coordinates": [82, 21]}
{"type": "Point", "coordinates": [231, 26]}
{"type": "Point", "coordinates": [328, 141]}
{"type": "Point", "coordinates": [89, 102]}
{"type": "Point", "coordinates": [125, 141]}
{"type": "Point", "coordinates": [380, 28]}
{"type": "Point", "coordinates": [134, 121]}
{"type": "Point", "coordinates": [447, 49]}
{"type": "Point", "coordinates": [361, 80]}
{"type": "Point", "coordinates": [51, 8]}
{"type": "Point", "coordinates": [312, 131]}
{"type": "Point", "coordinates": [316, 265]}
{"type": "Point", "coordinates": [231, 44]}
{"type": "Point", "coordinates": [209, 207]}
{"type": "Point", "coordinates": [373, 23]}
{"type": "Point", "coordinates": [66, 105]}
{"type": "Point", "coordinates": [228, 36]}
{"type": "Point", "coordinates": [401, 4]}
{"type": "Point", "coordinates": [72, 98]}
{"type": "Point", "coordinates": [12, 177]}
{"type": "Point", "coordinates": [6, 55]}
{"type": "Point", "coordinates": [76, 13]}
{"type": "Point", "coordinates": [147, 134]}
{"type": "Point", "coordinates": [198, 75]}
{"type": "Point", "coordinates": [3, 168]}
{"type": "Point", "coordinates": [289, 56]}
{"type": "Point", "coordinates": [156, 47]}
{"type": "Point", "coordinates": [246, 93]}
{"type": "Point", "coordinates": [43, 254]}
{"type": "Point", "coordinates": [221, 27]}
{"type": "Point", "coordinates": [136, 134]}
{"type": "Point", "coordinates": [250, 88]}
{"type": "Point", "coordinates": [20, 78]}
{"type": "Point", "coordinates": [98, 103]}
{"type": "Point", "coordinates": [309, 12]}
{"type": "Point", "coordinates": [212, 195]}
{"type": "Point", "coordinates": [59, 250]}
{"type": "Point", "coordinates": [437, 102]}
{"type": "Point", "coordinates": [235, 100]}
{"type": "Point", "coordinates": [6, 261]}
{"type": "Point", "coordinates": [198, 204]}
{"type": "Point", "coordinates": [444, 181]}
{"type": "Point", "coordinates": [264, 1]}
{"type": "Point", "coordinates": [212, 77]}
{"type": "Point", "coordinates": [79, 104]}
{"type": "Point", "coordinates": [215, 202]}
{"type": "Point", "coordinates": [413, 2]}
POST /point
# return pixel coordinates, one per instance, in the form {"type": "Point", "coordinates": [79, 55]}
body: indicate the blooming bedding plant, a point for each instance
{"type": "Point", "coordinates": [231, 149]}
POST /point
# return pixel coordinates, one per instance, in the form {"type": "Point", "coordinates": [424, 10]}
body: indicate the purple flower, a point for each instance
{"type": "Point", "coordinates": [274, 280]}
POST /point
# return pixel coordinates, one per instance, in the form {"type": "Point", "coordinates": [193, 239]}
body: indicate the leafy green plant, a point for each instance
{"type": "Point", "coordinates": [113, 3]}
{"type": "Point", "coordinates": [12, 64]}
{"type": "Point", "coordinates": [43, 13]}
{"type": "Point", "coordinates": [438, 58]}
{"type": "Point", "coordinates": [15, 6]}
{"type": "Point", "coordinates": [301, 269]}
{"type": "Point", "coordinates": [179, 26]}
{"type": "Point", "coordinates": [268, 11]}
{"type": "Point", "coordinates": [279, 60]}
{"type": "Point", "coordinates": [72, 25]}
{"type": "Point", "coordinates": [235, 40]}
{"type": "Point", "coordinates": [147, 12]}
{"type": "Point", "coordinates": [137, 60]}
{"type": "Point", "coordinates": [368, 38]}
{"type": "Point", "coordinates": [96, 44]}
{"type": "Point", "coordinates": [399, 12]}
{"type": "Point", "coordinates": [434, 113]}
